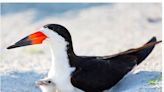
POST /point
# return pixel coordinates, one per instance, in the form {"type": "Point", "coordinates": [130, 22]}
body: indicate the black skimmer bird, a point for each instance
{"type": "Point", "coordinates": [72, 73]}
{"type": "Point", "coordinates": [46, 85]}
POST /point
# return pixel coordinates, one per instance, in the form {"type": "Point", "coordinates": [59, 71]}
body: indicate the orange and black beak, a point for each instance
{"type": "Point", "coordinates": [35, 38]}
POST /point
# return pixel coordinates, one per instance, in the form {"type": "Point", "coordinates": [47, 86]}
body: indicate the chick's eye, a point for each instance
{"type": "Point", "coordinates": [49, 81]}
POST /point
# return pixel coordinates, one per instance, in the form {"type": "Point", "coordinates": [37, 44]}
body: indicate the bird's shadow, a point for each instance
{"type": "Point", "coordinates": [25, 81]}
{"type": "Point", "coordinates": [20, 81]}
{"type": "Point", "coordinates": [138, 81]}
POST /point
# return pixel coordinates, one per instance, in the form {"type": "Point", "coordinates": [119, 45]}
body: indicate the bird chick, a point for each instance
{"type": "Point", "coordinates": [46, 85]}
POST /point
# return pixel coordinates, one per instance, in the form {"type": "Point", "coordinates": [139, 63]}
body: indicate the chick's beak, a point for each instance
{"type": "Point", "coordinates": [38, 83]}
{"type": "Point", "coordinates": [35, 38]}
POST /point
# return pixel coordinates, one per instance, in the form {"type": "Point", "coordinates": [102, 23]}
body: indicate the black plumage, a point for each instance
{"type": "Point", "coordinates": [100, 73]}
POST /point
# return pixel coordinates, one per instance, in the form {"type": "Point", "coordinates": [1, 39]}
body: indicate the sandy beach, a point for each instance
{"type": "Point", "coordinates": [100, 30]}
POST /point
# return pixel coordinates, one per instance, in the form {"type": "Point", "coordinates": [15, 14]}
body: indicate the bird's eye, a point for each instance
{"type": "Point", "coordinates": [45, 26]}
{"type": "Point", "coordinates": [49, 81]}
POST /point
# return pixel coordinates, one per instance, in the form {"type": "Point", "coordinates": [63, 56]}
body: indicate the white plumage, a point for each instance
{"type": "Point", "coordinates": [60, 70]}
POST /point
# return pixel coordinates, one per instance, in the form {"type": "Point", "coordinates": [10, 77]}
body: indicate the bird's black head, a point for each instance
{"type": "Point", "coordinates": [56, 33]}
{"type": "Point", "coordinates": [61, 30]}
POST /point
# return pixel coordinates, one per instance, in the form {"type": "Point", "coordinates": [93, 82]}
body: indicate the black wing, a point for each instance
{"type": "Point", "coordinates": [95, 74]}
{"type": "Point", "coordinates": [140, 53]}
{"type": "Point", "coordinates": [98, 75]}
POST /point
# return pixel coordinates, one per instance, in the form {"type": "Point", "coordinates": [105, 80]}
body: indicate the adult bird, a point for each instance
{"type": "Point", "coordinates": [72, 73]}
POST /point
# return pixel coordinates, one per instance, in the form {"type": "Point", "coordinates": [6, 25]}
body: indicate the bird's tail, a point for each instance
{"type": "Point", "coordinates": [142, 52]}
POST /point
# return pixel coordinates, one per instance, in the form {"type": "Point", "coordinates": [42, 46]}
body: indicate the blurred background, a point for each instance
{"type": "Point", "coordinates": [96, 29]}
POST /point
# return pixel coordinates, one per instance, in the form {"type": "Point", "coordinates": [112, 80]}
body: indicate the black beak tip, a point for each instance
{"type": "Point", "coordinates": [12, 46]}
